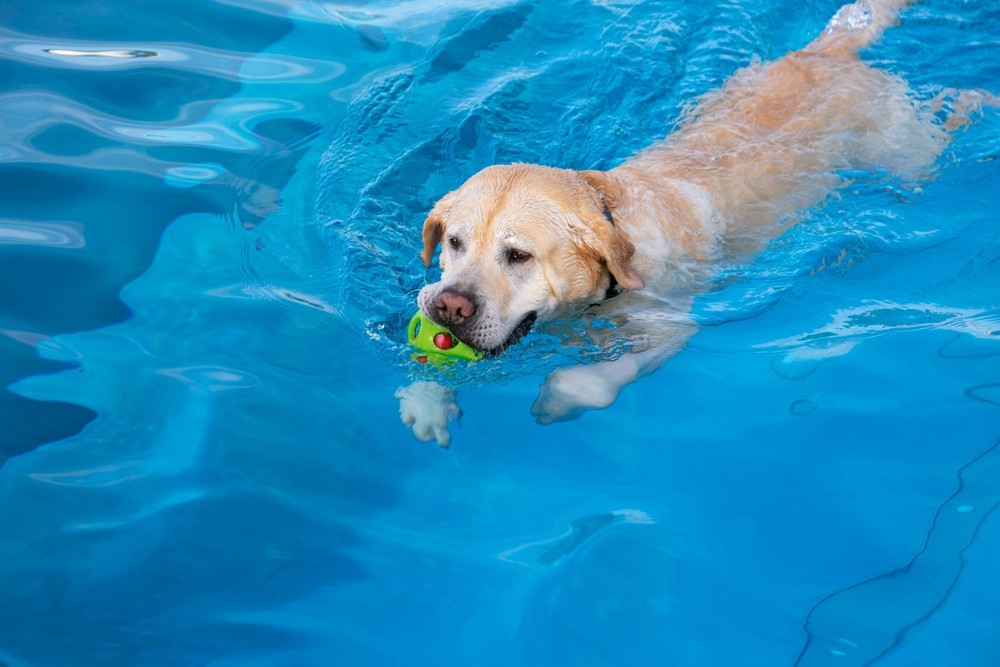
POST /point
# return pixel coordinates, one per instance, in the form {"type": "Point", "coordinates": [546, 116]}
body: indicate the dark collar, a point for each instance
{"type": "Point", "coordinates": [614, 289]}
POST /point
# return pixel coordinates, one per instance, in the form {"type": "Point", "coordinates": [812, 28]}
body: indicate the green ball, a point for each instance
{"type": "Point", "coordinates": [437, 342]}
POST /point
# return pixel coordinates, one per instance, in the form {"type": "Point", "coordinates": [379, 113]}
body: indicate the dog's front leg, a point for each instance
{"type": "Point", "coordinates": [427, 408]}
{"type": "Point", "coordinates": [568, 392]}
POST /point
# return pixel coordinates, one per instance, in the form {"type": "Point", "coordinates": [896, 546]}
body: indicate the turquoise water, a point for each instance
{"type": "Point", "coordinates": [208, 246]}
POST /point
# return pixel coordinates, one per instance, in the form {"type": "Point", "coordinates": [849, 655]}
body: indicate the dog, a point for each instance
{"type": "Point", "coordinates": [526, 243]}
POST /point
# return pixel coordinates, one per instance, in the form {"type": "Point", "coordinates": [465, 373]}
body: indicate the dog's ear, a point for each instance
{"type": "Point", "coordinates": [615, 250]}
{"type": "Point", "coordinates": [605, 185]}
{"type": "Point", "coordinates": [610, 243]}
{"type": "Point", "coordinates": [434, 227]}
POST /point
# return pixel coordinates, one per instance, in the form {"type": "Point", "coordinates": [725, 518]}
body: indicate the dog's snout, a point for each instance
{"type": "Point", "coordinates": [453, 307]}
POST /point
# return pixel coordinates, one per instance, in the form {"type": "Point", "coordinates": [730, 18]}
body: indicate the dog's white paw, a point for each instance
{"type": "Point", "coordinates": [427, 408]}
{"type": "Point", "coordinates": [567, 393]}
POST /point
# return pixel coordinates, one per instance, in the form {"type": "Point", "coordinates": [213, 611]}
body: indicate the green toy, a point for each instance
{"type": "Point", "coordinates": [436, 343]}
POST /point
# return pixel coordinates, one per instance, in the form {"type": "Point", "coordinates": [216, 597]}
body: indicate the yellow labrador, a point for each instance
{"type": "Point", "coordinates": [524, 243]}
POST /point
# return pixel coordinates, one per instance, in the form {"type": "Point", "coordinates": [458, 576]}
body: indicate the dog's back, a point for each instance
{"type": "Point", "coordinates": [770, 143]}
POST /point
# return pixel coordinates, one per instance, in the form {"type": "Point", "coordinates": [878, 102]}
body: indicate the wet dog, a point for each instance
{"type": "Point", "coordinates": [525, 243]}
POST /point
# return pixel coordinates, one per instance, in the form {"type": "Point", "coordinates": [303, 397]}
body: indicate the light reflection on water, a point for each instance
{"type": "Point", "coordinates": [53, 234]}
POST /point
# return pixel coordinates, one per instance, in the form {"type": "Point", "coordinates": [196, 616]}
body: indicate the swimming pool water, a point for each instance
{"type": "Point", "coordinates": [208, 246]}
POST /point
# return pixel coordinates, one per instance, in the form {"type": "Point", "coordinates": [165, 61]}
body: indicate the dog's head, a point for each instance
{"type": "Point", "coordinates": [519, 242]}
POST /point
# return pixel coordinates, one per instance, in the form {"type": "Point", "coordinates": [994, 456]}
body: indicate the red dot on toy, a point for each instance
{"type": "Point", "coordinates": [443, 341]}
{"type": "Point", "coordinates": [422, 359]}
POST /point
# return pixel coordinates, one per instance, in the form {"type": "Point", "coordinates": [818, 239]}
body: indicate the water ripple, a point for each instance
{"type": "Point", "coordinates": [881, 317]}
{"type": "Point", "coordinates": [51, 234]}
{"type": "Point", "coordinates": [88, 55]}
{"type": "Point", "coordinates": [246, 493]}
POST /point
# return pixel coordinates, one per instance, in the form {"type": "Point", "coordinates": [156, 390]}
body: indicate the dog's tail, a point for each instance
{"type": "Point", "coordinates": [856, 26]}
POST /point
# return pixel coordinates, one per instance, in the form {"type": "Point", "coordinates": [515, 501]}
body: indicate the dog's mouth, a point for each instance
{"type": "Point", "coordinates": [516, 334]}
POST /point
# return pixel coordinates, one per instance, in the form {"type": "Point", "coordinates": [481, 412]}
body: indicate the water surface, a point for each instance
{"type": "Point", "coordinates": [209, 255]}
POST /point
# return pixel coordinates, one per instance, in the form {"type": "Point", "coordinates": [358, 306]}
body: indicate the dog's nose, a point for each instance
{"type": "Point", "coordinates": [454, 308]}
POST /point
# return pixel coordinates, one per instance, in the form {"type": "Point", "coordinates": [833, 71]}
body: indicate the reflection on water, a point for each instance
{"type": "Point", "coordinates": [18, 232]}
{"type": "Point", "coordinates": [549, 552]}
{"type": "Point", "coordinates": [113, 53]}
{"type": "Point", "coordinates": [88, 90]}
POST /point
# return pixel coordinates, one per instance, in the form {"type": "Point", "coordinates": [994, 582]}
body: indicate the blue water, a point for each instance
{"type": "Point", "coordinates": [208, 251]}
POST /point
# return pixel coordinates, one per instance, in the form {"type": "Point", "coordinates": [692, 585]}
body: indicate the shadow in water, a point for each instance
{"type": "Point", "coordinates": [864, 622]}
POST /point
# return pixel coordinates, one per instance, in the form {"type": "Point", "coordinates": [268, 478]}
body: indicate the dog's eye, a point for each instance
{"type": "Point", "coordinates": [515, 256]}
{"type": "Point", "coordinates": [455, 243]}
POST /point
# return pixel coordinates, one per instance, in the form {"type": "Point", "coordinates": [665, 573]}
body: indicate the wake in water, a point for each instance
{"type": "Point", "coordinates": [378, 279]}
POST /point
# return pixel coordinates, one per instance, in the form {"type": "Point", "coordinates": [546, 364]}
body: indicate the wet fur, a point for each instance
{"type": "Point", "coordinates": [745, 163]}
